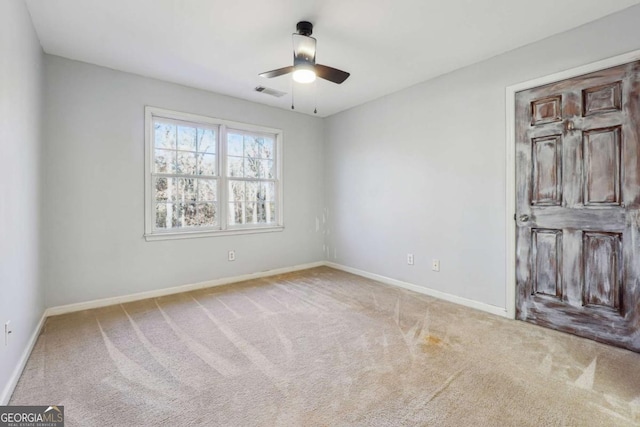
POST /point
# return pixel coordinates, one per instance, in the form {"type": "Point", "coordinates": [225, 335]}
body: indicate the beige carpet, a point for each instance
{"type": "Point", "coordinates": [322, 348]}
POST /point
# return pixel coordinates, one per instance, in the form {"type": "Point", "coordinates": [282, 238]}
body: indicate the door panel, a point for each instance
{"type": "Point", "coordinates": [601, 253]}
{"type": "Point", "coordinates": [602, 166]}
{"type": "Point", "coordinates": [578, 201]}
{"type": "Point", "coordinates": [546, 110]}
{"type": "Point", "coordinates": [602, 99]}
{"type": "Point", "coordinates": [547, 171]}
{"type": "Point", "coordinates": [546, 249]}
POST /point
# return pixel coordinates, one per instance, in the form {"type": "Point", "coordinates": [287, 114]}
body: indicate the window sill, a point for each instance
{"type": "Point", "coordinates": [216, 233]}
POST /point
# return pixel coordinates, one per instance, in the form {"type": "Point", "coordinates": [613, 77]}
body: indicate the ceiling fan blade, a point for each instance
{"type": "Point", "coordinates": [332, 74]}
{"type": "Point", "coordinates": [278, 72]}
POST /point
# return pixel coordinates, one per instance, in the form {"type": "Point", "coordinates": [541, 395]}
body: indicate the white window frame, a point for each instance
{"type": "Point", "coordinates": [223, 228]}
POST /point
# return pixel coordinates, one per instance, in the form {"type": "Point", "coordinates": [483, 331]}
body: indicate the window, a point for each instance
{"type": "Point", "coordinates": [207, 177]}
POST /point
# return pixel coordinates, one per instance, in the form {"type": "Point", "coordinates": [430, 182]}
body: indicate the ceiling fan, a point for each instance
{"type": "Point", "coordinates": [304, 68]}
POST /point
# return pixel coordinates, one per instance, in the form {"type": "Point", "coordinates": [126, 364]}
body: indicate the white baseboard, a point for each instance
{"type": "Point", "coordinates": [17, 372]}
{"type": "Point", "coordinates": [499, 311]}
{"type": "Point", "coordinates": [104, 302]}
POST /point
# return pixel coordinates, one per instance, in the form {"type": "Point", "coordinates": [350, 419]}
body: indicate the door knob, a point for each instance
{"type": "Point", "coordinates": [524, 218]}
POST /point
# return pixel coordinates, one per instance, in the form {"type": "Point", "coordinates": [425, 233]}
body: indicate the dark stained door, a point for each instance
{"type": "Point", "coordinates": [578, 201]}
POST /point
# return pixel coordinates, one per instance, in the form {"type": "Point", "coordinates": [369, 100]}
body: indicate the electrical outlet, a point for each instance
{"type": "Point", "coordinates": [435, 265]}
{"type": "Point", "coordinates": [410, 259]}
{"type": "Point", "coordinates": [7, 331]}
{"type": "Point", "coordinates": [232, 255]}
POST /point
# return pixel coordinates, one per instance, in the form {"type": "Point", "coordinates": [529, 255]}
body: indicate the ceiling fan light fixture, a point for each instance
{"type": "Point", "coordinates": [305, 69]}
{"type": "Point", "coordinates": [304, 74]}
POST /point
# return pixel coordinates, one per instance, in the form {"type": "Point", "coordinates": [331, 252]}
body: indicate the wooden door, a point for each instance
{"type": "Point", "coordinates": [578, 201]}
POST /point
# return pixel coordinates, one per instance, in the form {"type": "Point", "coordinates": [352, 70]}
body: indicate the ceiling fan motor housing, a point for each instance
{"type": "Point", "coordinates": [304, 46]}
{"type": "Point", "coordinates": [304, 50]}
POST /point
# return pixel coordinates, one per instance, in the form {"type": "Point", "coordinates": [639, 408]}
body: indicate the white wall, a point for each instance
{"type": "Point", "coordinates": [94, 192]}
{"type": "Point", "coordinates": [21, 292]}
{"type": "Point", "coordinates": [418, 171]}
{"type": "Point", "coordinates": [423, 170]}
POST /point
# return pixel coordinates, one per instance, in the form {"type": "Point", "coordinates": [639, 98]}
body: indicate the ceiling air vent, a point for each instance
{"type": "Point", "coordinates": [269, 91]}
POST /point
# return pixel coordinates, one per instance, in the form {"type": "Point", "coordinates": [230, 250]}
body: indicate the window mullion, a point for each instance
{"type": "Point", "coordinates": [222, 177]}
{"type": "Point", "coordinates": [150, 211]}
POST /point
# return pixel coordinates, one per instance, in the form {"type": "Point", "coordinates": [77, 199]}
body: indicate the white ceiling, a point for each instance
{"type": "Point", "coordinates": [221, 46]}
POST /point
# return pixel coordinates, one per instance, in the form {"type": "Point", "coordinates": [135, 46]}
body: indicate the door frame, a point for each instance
{"type": "Point", "coordinates": [511, 160]}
